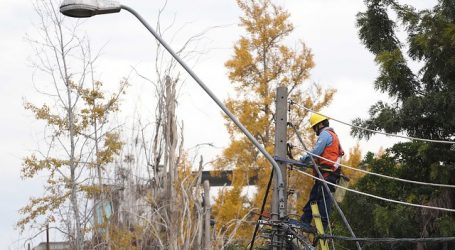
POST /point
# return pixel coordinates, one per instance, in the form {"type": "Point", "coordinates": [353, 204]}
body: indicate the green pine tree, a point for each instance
{"type": "Point", "coordinates": [423, 106]}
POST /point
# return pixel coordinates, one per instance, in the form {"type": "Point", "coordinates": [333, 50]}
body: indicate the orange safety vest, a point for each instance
{"type": "Point", "coordinates": [331, 152]}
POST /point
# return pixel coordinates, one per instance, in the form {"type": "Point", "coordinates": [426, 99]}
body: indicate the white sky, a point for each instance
{"type": "Point", "coordinates": [326, 26]}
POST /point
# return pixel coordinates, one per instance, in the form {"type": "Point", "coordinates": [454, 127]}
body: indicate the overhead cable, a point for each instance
{"type": "Point", "coordinates": [378, 197]}
{"type": "Point", "coordinates": [381, 175]}
{"type": "Point", "coordinates": [390, 240]}
{"type": "Point", "coordinates": [375, 131]}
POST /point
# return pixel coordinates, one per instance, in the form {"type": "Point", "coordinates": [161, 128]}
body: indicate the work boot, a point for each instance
{"type": "Point", "coordinates": [306, 227]}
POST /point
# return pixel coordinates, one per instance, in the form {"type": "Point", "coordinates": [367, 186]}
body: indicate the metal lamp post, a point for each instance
{"type": "Point", "coordinates": [89, 8]}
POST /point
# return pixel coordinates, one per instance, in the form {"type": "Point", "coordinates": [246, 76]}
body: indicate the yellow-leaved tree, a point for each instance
{"type": "Point", "coordinates": [353, 176]}
{"type": "Point", "coordinates": [262, 61]}
{"type": "Point", "coordinates": [80, 142]}
{"type": "Point", "coordinates": [354, 159]}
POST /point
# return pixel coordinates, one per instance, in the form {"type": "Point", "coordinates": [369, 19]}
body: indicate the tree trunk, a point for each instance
{"type": "Point", "coordinates": [74, 202]}
{"type": "Point", "coordinates": [207, 212]}
{"type": "Point", "coordinates": [170, 159]}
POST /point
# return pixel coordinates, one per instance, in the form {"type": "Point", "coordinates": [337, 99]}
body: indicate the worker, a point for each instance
{"type": "Point", "coordinates": [328, 147]}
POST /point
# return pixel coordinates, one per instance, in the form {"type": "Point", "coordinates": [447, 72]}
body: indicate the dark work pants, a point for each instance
{"type": "Point", "coordinates": [316, 195]}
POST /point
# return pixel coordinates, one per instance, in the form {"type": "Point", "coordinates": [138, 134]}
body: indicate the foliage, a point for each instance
{"type": "Point", "coordinates": [59, 169]}
{"type": "Point", "coordinates": [160, 198]}
{"type": "Point", "coordinates": [125, 239]}
{"type": "Point", "coordinates": [78, 142]}
{"type": "Point", "coordinates": [423, 105]}
{"type": "Point", "coordinates": [354, 159]}
{"type": "Point", "coordinates": [262, 62]}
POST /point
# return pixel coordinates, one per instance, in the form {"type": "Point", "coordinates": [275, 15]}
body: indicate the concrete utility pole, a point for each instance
{"type": "Point", "coordinates": [281, 120]}
{"type": "Point", "coordinates": [207, 212]}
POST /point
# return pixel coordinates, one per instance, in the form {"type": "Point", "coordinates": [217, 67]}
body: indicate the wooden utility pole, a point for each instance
{"type": "Point", "coordinates": [207, 212]}
{"type": "Point", "coordinates": [281, 120]}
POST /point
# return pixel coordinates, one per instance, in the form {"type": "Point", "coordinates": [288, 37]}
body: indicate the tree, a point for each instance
{"type": "Point", "coordinates": [354, 159]}
{"type": "Point", "coordinates": [422, 106]}
{"type": "Point", "coordinates": [261, 62]}
{"type": "Point", "coordinates": [80, 143]}
{"type": "Point", "coordinates": [160, 202]}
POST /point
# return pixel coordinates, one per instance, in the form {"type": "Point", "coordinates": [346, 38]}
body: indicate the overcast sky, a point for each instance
{"type": "Point", "coordinates": [326, 26]}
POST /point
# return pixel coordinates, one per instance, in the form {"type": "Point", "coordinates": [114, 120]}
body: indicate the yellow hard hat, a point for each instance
{"type": "Point", "coordinates": [316, 118]}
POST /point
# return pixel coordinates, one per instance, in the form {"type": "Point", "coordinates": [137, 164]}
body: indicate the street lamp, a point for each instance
{"type": "Point", "coordinates": [89, 8]}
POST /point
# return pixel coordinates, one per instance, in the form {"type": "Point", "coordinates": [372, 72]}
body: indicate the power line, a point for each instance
{"type": "Point", "coordinates": [381, 175]}
{"type": "Point", "coordinates": [359, 192]}
{"type": "Point", "coordinates": [390, 240]}
{"type": "Point", "coordinates": [378, 197]}
{"type": "Point", "coordinates": [375, 131]}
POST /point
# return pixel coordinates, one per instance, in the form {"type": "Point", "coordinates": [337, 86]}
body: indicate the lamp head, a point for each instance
{"type": "Point", "coordinates": [88, 8]}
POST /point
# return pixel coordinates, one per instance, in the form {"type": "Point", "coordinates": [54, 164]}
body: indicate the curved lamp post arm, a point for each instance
{"type": "Point", "coordinates": [89, 8]}
{"type": "Point", "coordinates": [279, 177]}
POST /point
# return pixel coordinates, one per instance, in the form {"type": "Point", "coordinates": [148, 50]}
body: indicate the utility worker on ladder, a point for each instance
{"type": "Point", "coordinates": [327, 146]}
